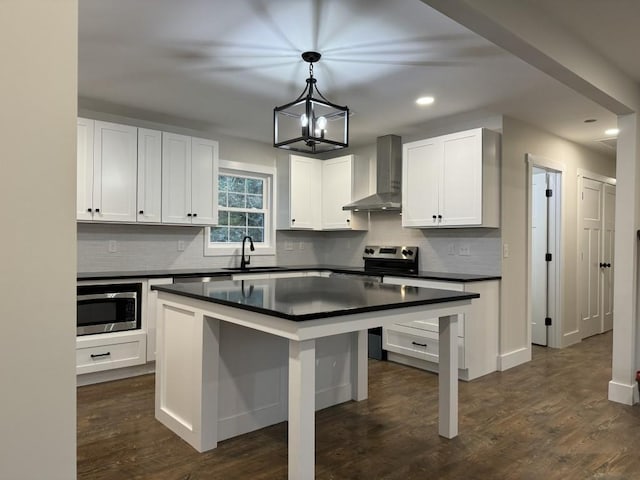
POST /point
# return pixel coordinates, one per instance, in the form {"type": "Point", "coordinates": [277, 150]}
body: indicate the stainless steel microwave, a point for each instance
{"type": "Point", "coordinates": [109, 308]}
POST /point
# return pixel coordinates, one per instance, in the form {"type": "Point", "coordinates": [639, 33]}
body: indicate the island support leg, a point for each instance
{"type": "Point", "coordinates": [302, 409]}
{"type": "Point", "coordinates": [359, 365]}
{"type": "Point", "coordinates": [448, 377]}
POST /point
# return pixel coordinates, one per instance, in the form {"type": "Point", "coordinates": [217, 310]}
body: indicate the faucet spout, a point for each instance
{"type": "Point", "coordinates": [244, 261]}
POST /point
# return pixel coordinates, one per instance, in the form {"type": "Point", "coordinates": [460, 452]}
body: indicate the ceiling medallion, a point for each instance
{"type": "Point", "coordinates": [311, 124]}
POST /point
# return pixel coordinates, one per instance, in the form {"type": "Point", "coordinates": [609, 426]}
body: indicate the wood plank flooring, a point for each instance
{"type": "Point", "coordinates": [548, 419]}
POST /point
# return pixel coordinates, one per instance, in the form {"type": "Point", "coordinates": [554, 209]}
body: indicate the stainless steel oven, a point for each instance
{"type": "Point", "coordinates": [109, 308]}
{"type": "Point", "coordinates": [386, 260]}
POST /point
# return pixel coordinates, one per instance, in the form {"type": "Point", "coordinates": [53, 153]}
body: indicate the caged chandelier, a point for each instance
{"type": "Point", "coordinates": [311, 124]}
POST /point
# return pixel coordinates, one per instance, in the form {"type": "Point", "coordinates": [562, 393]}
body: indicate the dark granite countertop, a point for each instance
{"type": "Point", "coordinates": [221, 272]}
{"type": "Point", "coordinates": [309, 298]}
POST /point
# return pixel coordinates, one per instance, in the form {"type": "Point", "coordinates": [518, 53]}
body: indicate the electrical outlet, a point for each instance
{"type": "Point", "coordinates": [288, 245]}
{"type": "Point", "coordinates": [464, 250]}
{"type": "Point", "coordinates": [301, 246]}
{"type": "Point", "coordinates": [181, 245]}
{"type": "Point", "coordinates": [452, 249]}
{"type": "Point", "coordinates": [113, 246]}
{"type": "Point", "coordinates": [505, 250]}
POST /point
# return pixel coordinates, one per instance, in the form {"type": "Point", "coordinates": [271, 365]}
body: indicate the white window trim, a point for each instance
{"type": "Point", "coordinates": [235, 249]}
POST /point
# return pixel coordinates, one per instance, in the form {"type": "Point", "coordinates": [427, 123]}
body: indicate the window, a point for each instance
{"type": "Point", "coordinates": [245, 195]}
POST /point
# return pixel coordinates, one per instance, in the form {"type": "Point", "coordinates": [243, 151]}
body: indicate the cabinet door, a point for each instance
{"type": "Point", "coordinates": [336, 191]}
{"type": "Point", "coordinates": [84, 196]}
{"type": "Point", "coordinates": [114, 172]}
{"type": "Point", "coordinates": [461, 193]}
{"type": "Point", "coordinates": [204, 181]}
{"type": "Point", "coordinates": [306, 197]}
{"type": "Point", "coordinates": [176, 178]}
{"type": "Point", "coordinates": [149, 205]}
{"type": "Point", "coordinates": [421, 178]}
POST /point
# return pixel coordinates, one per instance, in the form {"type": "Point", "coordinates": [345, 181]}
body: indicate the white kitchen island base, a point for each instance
{"type": "Point", "coordinates": [191, 370]}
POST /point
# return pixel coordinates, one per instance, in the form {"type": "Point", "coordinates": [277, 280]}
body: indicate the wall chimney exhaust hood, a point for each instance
{"type": "Point", "coordinates": [388, 178]}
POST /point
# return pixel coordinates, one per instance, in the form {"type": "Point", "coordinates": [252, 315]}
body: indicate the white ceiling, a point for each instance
{"type": "Point", "coordinates": [225, 65]}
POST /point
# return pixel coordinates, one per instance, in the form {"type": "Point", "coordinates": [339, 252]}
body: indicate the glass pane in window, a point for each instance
{"type": "Point", "coordinates": [236, 234]}
{"type": "Point", "coordinates": [237, 200]}
{"type": "Point", "coordinates": [237, 184]}
{"type": "Point", "coordinates": [223, 183]}
{"type": "Point", "coordinates": [257, 234]}
{"type": "Point", "coordinates": [255, 219]}
{"type": "Point", "coordinates": [254, 201]}
{"type": "Point", "coordinates": [254, 186]}
{"type": "Point", "coordinates": [237, 219]}
{"type": "Point", "coordinates": [219, 234]}
{"type": "Point", "coordinates": [223, 217]}
{"type": "Point", "coordinates": [222, 199]}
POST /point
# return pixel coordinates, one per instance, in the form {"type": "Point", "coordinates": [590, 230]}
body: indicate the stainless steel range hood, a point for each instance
{"type": "Point", "coordinates": [388, 178]}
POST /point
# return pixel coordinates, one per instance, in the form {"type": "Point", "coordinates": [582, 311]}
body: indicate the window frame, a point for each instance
{"type": "Point", "coordinates": [268, 247]}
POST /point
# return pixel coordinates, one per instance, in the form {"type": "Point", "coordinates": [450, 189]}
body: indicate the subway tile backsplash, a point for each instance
{"type": "Point", "coordinates": [112, 247]}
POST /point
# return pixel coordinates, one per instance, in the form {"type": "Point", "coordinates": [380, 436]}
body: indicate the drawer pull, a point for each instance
{"type": "Point", "coordinates": [98, 355]}
{"type": "Point", "coordinates": [419, 344]}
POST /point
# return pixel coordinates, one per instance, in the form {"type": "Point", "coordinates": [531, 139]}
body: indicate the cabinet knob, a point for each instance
{"type": "Point", "coordinates": [89, 210]}
{"type": "Point", "coordinates": [439, 217]}
{"type": "Point", "coordinates": [188, 214]}
{"type": "Point", "coordinates": [293, 220]}
{"type": "Point", "coordinates": [434, 217]}
{"type": "Point", "coordinates": [141, 212]}
{"type": "Point", "coordinates": [97, 210]}
{"type": "Point", "coordinates": [608, 265]}
{"type": "Point", "coordinates": [348, 221]}
{"type": "Point", "coordinates": [195, 214]}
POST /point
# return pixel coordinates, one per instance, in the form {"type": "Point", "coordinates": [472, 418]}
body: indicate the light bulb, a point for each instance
{"type": "Point", "coordinates": [304, 121]}
{"type": "Point", "coordinates": [321, 123]}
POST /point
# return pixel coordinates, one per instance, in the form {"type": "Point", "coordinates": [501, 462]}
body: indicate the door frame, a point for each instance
{"type": "Point", "coordinates": [556, 276]}
{"type": "Point", "coordinates": [582, 174]}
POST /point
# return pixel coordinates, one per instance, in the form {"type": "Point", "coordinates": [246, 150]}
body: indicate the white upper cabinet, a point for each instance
{"type": "Point", "coordinates": [84, 198]}
{"type": "Point", "coordinates": [149, 176]}
{"type": "Point", "coordinates": [452, 181]}
{"type": "Point", "coordinates": [337, 185]}
{"type": "Point", "coordinates": [107, 179]}
{"type": "Point", "coordinates": [306, 190]}
{"type": "Point", "coordinates": [312, 192]}
{"type": "Point", "coordinates": [189, 180]}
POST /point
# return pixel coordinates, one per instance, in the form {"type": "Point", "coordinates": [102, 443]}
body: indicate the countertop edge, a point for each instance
{"type": "Point", "coordinates": [219, 272]}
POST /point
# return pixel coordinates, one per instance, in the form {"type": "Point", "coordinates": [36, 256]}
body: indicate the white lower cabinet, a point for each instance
{"type": "Point", "coordinates": [416, 343]}
{"type": "Point", "coordinates": [95, 353]}
{"type": "Point", "coordinates": [150, 314]}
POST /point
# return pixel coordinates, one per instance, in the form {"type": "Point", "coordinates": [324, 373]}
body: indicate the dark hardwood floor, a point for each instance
{"type": "Point", "coordinates": [548, 419]}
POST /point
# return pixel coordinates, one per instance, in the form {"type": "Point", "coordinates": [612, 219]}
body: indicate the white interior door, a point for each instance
{"type": "Point", "coordinates": [539, 231]}
{"type": "Point", "coordinates": [608, 232]}
{"type": "Point", "coordinates": [591, 249]}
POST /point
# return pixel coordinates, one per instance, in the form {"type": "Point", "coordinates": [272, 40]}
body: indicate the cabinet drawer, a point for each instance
{"type": "Point", "coordinates": [431, 325]}
{"type": "Point", "coordinates": [92, 355]}
{"type": "Point", "coordinates": [424, 346]}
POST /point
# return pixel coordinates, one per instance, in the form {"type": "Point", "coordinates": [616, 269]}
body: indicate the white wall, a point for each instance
{"type": "Point", "coordinates": [38, 65]}
{"type": "Point", "coordinates": [519, 139]}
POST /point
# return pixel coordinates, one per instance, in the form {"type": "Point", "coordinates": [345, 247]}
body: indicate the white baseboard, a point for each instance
{"type": "Point", "coordinates": [115, 374]}
{"type": "Point", "coordinates": [622, 393]}
{"type": "Point", "coordinates": [514, 358]}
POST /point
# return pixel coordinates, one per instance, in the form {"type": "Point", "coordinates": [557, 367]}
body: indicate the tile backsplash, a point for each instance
{"type": "Point", "coordinates": [112, 247]}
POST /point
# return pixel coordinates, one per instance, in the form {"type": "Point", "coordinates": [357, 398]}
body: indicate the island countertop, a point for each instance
{"type": "Point", "coordinates": [309, 298]}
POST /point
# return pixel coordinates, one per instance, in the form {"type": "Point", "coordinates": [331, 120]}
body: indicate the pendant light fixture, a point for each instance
{"type": "Point", "coordinates": [311, 124]}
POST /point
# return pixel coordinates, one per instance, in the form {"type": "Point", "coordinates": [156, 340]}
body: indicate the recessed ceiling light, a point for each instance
{"type": "Point", "coordinates": [612, 131]}
{"type": "Point", "coordinates": [425, 100]}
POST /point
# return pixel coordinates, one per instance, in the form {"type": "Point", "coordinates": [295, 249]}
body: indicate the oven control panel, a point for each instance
{"type": "Point", "coordinates": [389, 252]}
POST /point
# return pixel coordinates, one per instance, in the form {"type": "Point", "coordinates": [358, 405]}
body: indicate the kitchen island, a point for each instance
{"type": "Point", "coordinates": [235, 336]}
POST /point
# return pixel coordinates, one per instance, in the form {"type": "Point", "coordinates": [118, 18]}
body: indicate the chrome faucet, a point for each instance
{"type": "Point", "coordinates": [246, 261]}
